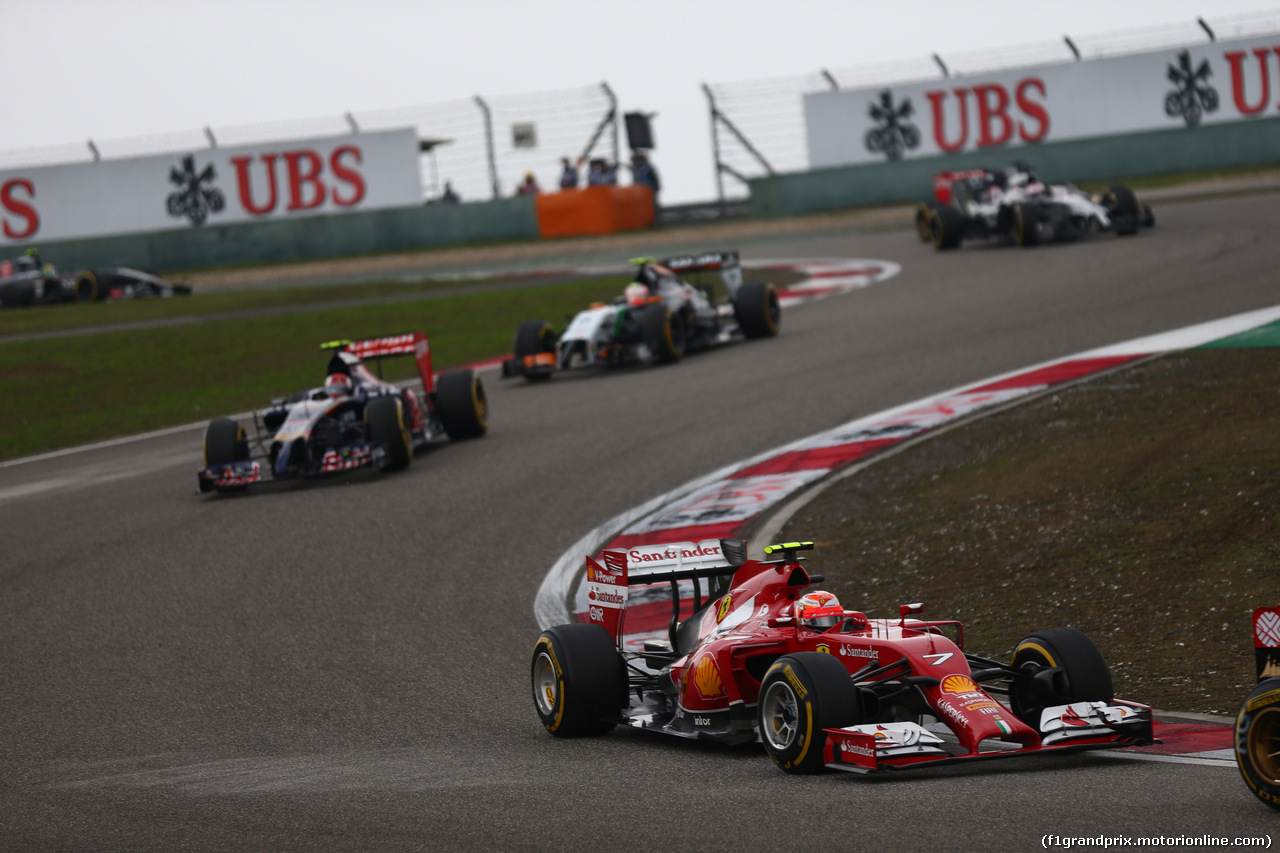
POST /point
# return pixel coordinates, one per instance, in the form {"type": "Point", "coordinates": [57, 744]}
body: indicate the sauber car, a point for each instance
{"type": "Point", "coordinates": [25, 280]}
{"type": "Point", "coordinates": [1257, 735]}
{"type": "Point", "coordinates": [1014, 205]}
{"type": "Point", "coordinates": [356, 419]}
{"type": "Point", "coordinates": [863, 695]}
{"type": "Point", "coordinates": [659, 318]}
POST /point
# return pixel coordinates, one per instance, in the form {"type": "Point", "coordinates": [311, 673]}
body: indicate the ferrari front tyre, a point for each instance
{"type": "Point", "coordinates": [663, 331]}
{"type": "Point", "coordinates": [1126, 213]}
{"type": "Point", "coordinates": [87, 286]}
{"type": "Point", "coordinates": [924, 213]}
{"type": "Point", "coordinates": [1084, 676]}
{"type": "Point", "coordinates": [757, 310]}
{"type": "Point", "coordinates": [387, 424]}
{"type": "Point", "coordinates": [1257, 741]}
{"type": "Point", "coordinates": [534, 337]}
{"type": "Point", "coordinates": [802, 695]}
{"type": "Point", "coordinates": [579, 680]}
{"type": "Point", "coordinates": [462, 405]}
{"type": "Point", "coordinates": [946, 227]}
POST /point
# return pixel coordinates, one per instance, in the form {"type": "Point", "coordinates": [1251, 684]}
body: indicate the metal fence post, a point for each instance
{"type": "Point", "coordinates": [715, 144]}
{"type": "Point", "coordinates": [488, 141]}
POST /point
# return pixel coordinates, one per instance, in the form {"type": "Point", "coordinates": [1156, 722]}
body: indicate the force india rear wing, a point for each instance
{"type": "Point", "coordinates": [413, 344]}
{"type": "Point", "coordinates": [725, 263]}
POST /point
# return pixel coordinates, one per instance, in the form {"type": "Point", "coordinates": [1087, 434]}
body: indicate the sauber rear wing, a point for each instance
{"type": "Point", "coordinates": [405, 343]}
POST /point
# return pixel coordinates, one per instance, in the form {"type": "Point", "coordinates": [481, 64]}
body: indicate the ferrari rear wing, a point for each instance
{"type": "Point", "coordinates": [405, 343]}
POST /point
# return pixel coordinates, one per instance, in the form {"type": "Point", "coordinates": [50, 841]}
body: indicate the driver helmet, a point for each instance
{"type": "Point", "coordinates": [819, 610]}
{"type": "Point", "coordinates": [338, 385]}
{"type": "Point", "coordinates": [636, 294]}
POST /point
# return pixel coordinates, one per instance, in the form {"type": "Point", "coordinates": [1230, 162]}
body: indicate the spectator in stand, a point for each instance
{"type": "Point", "coordinates": [449, 196]}
{"type": "Point", "coordinates": [643, 174]}
{"type": "Point", "coordinates": [601, 173]}
{"type": "Point", "coordinates": [530, 185]}
{"type": "Point", "coordinates": [569, 174]}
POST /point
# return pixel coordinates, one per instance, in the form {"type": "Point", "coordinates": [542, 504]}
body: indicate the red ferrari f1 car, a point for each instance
{"type": "Point", "coordinates": [821, 686]}
{"type": "Point", "coordinates": [356, 419]}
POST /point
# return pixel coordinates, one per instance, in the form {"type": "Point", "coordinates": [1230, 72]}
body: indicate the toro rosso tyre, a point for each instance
{"type": "Point", "coordinates": [1026, 224]}
{"type": "Point", "coordinates": [663, 332]}
{"type": "Point", "coordinates": [224, 443]}
{"type": "Point", "coordinates": [1257, 741]}
{"type": "Point", "coordinates": [462, 405]}
{"type": "Point", "coordinates": [1126, 213]}
{"type": "Point", "coordinates": [579, 681]}
{"type": "Point", "coordinates": [946, 227]}
{"type": "Point", "coordinates": [534, 337]}
{"type": "Point", "coordinates": [387, 424]}
{"type": "Point", "coordinates": [757, 310]}
{"type": "Point", "coordinates": [924, 215]}
{"type": "Point", "coordinates": [1082, 673]}
{"type": "Point", "coordinates": [801, 695]}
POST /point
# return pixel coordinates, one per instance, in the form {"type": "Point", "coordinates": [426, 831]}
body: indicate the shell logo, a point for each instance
{"type": "Point", "coordinates": [706, 677]}
{"type": "Point", "coordinates": [958, 684]}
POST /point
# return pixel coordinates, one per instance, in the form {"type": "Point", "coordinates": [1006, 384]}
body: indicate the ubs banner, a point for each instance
{"type": "Point", "coordinates": [210, 186]}
{"type": "Point", "coordinates": [1205, 84]}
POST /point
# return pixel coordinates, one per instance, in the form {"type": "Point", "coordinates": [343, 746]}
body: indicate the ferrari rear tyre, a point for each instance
{"type": "Point", "coordinates": [801, 695]}
{"type": "Point", "coordinates": [579, 680]}
{"type": "Point", "coordinates": [534, 337]}
{"type": "Point", "coordinates": [462, 405]}
{"type": "Point", "coordinates": [757, 310]}
{"type": "Point", "coordinates": [385, 416]}
{"type": "Point", "coordinates": [663, 331]}
{"type": "Point", "coordinates": [1085, 676]}
{"type": "Point", "coordinates": [1026, 224]}
{"type": "Point", "coordinates": [1126, 213]}
{"type": "Point", "coordinates": [1257, 741]}
{"type": "Point", "coordinates": [924, 214]}
{"type": "Point", "coordinates": [87, 286]}
{"type": "Point", "coordinates": [946, 227]}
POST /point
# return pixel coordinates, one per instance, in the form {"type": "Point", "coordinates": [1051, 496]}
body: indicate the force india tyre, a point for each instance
{"type": "Point", "coordinates": [1084, 676]}
{"type": "Point", "coordinates": [924, 213]}
{"type": "Point", "coordinates": [1126, 214]}
{"type": "Point", "coordinates": [534, 337]}
{"type": "Point", "coordinates": [757, 310]}
{"type": "Point", "coordinates": [801, 695]}
{"type": "Point", "coordinates": [1026, 224]}
{"type": "Point", "coordinates": [579, 681]}
{"type": "Point", "coordinates": [1257, 741]}
{"type": "Point", "coordinates": [385, 416]}
{"type": "Point", "coordinates": [663, 332]}
{"type": "Point", "coordinates": [946, 227]}
{"type": "Point", "coordinates": [462, 405]}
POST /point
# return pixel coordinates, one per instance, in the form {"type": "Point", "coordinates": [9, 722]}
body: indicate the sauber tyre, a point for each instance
{"type": "Point", "coordinates": [462, 405]}
{"type": "Point", "coordinates": [534, 337]}
{"type": "Point", "coordinates": [801, 695]}
{"type": "Point", "coordinates": [1257, 741]}
{"type": "Point", "coordinates": [757, 310]}
{"type": "Point", "coordinates": [225, 442]}
{"type": "Point", "coordinates": [387, 425]}
{"type": "Point", "coordinates": [1058, 666]}
{"type": "Point", "coordinates": [663, 332]}
{"type": "Point", "coordinates": [579, 680]}
{"type": "Point", "coordinates": [946, 227]}
{"type": "Point", "coordinates": [88, 288]}
{"type": "Point", "coordinates": [1126, 213]}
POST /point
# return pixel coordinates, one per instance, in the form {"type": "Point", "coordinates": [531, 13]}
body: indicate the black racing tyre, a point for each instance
{"type": "Point", "coordinates": [532, 338]}
{"type": "Point", "coordinates": [462, 405]}
{"type": "Point", "coordinates": [1126, 213]}
{"type": "Point", "coordinates": [663, 331]}
{"type": "Point", "coordinates": [1257, 741]}
{"type": "Point", "coordinates": [924, 213]}
{"type": "Point", "coordinates": [579, 680]}
{"type": "Point", "coordinates": [87, 287]}
{"type": "Point", "coordinates": [946, 227]}
{"type": "Point", "coordinates": [1084, 676]}
{"type": "Point", "coordinates": [224, 443]}
{"type": "Point", "coordinates": [387, 424]}
{"type": "Point", "coordinates": [757, 309]}
{"type": "Point", "coordinates": [1148, 217]}
{"type": "Point", "coordinates": [801, 695]}
{"type": "Point", "coordinates": [1026, 221]}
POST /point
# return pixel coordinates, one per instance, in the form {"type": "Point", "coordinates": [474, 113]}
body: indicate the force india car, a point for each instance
{"type": "Point", "coordinates": [865, 695]}
{"type": "Point", "coordinates": [356, 419]}
{"type": "Point", "coordinates": [26, 281]}
{"type": "Point", "coordinates": [1257, 735]}
{"type": "Point", "coordinates": [1015, 206]}
{"type": "Point", "coordinates": [658, 319]}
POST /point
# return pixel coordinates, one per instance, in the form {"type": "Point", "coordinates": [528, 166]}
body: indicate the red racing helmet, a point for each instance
{"type": "Point", "coordinates": [819, 610]}
{"type": "Point", "coordinates": [339, 385]}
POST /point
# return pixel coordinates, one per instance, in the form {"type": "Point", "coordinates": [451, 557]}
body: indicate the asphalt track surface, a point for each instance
{"type": "Point", "coordinates": [344, 665]}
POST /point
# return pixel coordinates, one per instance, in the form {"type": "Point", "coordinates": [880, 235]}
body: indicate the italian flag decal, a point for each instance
{"type": "Point", "coordinates": [1004, 727]}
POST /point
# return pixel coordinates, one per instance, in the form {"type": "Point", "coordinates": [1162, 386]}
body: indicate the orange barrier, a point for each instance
{"type": "Point", "coordinates": [594, 210]}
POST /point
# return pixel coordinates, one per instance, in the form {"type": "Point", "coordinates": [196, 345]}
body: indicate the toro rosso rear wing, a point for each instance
{"type": "Point", "coordinates": [405, 343]}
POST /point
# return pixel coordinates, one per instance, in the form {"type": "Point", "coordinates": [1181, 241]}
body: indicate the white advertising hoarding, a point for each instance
{"type": "Point", "coordinates": [1206, 84]}
{"type": "Point", "coordinates": [212, 186]}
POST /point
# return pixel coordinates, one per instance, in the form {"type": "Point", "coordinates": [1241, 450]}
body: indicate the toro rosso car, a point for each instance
{"type": "Point", "coordinates": [1257, 736]}
{"type": "Point", "coordinates": [762, 656]}
{"type": "Point", "coordinates": [1014, 205]}
{"type": "Point", "coordinates": [355, 419]}
{"type": "Point", "coordinates": [659, 318]}
{"type": "Point", "coordinates": [26, 281]}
